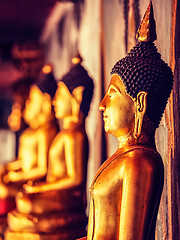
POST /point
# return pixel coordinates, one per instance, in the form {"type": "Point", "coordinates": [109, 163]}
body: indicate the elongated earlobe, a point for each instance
{"type": "Point", "coordinates": [141, 105]}
{"type": "Point", "coordinates": [76, 102]}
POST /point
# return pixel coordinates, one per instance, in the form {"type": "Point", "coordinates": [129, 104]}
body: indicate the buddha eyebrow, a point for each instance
{"type": "Point", "coordinates": [114, 87]}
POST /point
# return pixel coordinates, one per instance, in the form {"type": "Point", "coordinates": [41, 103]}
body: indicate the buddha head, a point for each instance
{"type": "Point", "coordinates": [140, 86]}
{"type": "Point", "coordinates": [38, 106]}
{"type": "Point", "coordinates": [74, 94]}
{"type": "Point", "coordinates": [20, 92]}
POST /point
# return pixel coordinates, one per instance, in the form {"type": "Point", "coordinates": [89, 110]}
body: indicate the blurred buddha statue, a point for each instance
{"type": "Point", "coordinates": [34, 143]}
{"type": "Point", "coordinates": [55, 209]}
{"type": "Point", "coordinates": [20, 93]}
{"type": "Point", "coordinates": [126, 190]}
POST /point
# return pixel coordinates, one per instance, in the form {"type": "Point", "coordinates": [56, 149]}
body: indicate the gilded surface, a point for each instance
{"type": "Point", "coordinates": [126, 190]}
{"type": "Point", "coordinates": [147, 30]}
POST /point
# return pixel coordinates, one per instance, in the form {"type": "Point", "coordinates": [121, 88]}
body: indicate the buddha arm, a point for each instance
{"type": "Point", "coordinates": [138, 186]}
{"type": "Point", "coordinates": [35, 173]}
{"type": "Point", "coordinates": [9, 169]}
{"type": "Point", "coordinates": [15, 165]}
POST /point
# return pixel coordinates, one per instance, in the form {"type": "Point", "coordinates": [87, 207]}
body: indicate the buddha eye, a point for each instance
{"type": "Point", "coordinates": [112, 91]}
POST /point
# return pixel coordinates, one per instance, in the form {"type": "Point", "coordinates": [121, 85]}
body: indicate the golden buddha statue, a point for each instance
{"type": "Point", "coordinates": [55, 209]}
{"type": "Point", "coordinates": [34, 143]}
{"type": "Point", "coordinates": [126, 190]}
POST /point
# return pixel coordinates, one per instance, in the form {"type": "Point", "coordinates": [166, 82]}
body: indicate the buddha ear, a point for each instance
{"type": "Point", "coordinates": [77, 94]}
{"type": "Point", "coordinates": [141, 104]}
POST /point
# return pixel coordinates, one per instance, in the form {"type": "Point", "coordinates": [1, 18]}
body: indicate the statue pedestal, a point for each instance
{"type": "Point", "coordinates": [54, 226]}
{"type": "Point", "coordinates": [72, 234]}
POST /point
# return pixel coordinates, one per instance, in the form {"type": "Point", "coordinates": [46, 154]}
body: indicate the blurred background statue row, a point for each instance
{"type": "Point", "coordinates": [55, 208]}
{"type": "Point", "coordinates": [126, 190]}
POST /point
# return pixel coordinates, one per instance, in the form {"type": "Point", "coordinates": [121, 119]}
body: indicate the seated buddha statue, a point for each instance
{"type": "Point", "coordinates": [55, 208]}
{"type": "Point", "coordinates": [34, 142]}
{"type": "Point", "coordinates": [126, 190]}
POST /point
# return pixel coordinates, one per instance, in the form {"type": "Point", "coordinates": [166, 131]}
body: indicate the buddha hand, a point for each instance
{"type": "Point", "coordinates": [11, 176]}
{"type": "Point", "coordinates": [30, 188]}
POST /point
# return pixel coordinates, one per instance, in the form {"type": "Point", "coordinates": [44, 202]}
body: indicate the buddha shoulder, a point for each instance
{"type": "Point", "coordinates": [134, 161]}
{"type": "Point", "coordinates": [27, 134]}
{"type": "Point", "coordinates": [141, 158]}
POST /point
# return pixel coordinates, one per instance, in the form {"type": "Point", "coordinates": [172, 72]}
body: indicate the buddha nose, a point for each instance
{"type": "Point", "coordinates": [102, 105]}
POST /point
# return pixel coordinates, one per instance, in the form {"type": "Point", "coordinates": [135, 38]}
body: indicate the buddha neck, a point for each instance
{"type": "Point", "coordinates": [42, 121]}
{"type": "Point", "coordinates": [70, 122]}
{"type": "Point", "coordinates": [146, 138]}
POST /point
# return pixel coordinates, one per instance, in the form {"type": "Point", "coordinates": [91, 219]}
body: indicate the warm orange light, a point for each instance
{"type": "Point", "coordinates": [47, 69]}
{"type": "Point", "coordinates": [76, 60]}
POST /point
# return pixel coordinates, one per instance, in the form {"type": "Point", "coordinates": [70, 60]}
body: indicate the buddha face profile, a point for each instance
{"type": "Point", "coordinates": [37, 105]}
{"type": "Point", "coordinates": [62, 102]}
{"type": "Point", "coordinates": [118, 109]}
{"type": "Point", "coordinates": [66, 104]}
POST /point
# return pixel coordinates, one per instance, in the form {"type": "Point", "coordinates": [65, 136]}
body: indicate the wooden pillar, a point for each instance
{"type": "Point", "coordinates": [174, 123]}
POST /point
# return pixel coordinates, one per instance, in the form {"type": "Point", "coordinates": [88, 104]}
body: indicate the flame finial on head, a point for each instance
{"type": "Point", "coordinates": [147, 29]}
